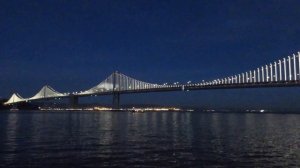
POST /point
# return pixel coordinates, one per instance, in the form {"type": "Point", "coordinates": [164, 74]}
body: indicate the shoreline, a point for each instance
{"type": "Point", "coordinates": [119, 110]}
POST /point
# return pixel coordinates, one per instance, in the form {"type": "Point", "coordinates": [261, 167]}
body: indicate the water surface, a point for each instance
{"type": "Point", "coordinates": [151, 139]}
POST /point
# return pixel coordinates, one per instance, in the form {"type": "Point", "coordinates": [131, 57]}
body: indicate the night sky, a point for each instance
{"type": "Point", "coordinates": [74, 45]}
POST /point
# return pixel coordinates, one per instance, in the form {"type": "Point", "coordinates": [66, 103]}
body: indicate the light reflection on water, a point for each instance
{"type": "Point", "coordinates": [151, 139]}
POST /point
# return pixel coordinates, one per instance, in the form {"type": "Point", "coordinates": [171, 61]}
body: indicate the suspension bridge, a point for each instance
{"type": "Point", "coordinates": [281, 73]}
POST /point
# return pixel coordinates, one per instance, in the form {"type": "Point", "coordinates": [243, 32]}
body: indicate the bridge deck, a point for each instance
{"type": "Point", "coordinates": [191, 87]}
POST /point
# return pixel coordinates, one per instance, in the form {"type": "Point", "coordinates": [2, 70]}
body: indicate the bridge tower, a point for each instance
{"type": "Point", "coordinates": [116, 89]}
{"type": "Point", "coordinates": [73, 100]}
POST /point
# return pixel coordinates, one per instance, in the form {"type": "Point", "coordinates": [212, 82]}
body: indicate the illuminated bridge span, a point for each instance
{"type": "Point", "coordinates": [282, 73]}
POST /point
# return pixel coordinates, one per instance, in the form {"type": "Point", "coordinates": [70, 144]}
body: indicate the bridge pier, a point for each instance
{"type": "Point", "coordinates": [14, 107]}
{"type": "Point", "coordinates": [116, 100]}
{"type": "Point", "coordinates": [74, 101]}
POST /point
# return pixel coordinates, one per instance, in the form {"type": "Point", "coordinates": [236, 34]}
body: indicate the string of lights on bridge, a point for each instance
{"type": "Point", "coordinates": [280, 72]}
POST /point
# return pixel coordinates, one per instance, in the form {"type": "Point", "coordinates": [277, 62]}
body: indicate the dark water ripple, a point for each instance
{"type": "Point", "coordinates": [152, 139]}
